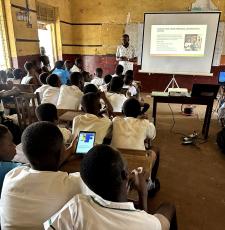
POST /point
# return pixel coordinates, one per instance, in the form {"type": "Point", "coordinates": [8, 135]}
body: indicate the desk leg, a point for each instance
{"type": "Point", "coordinates": [207, 120]}
{"type": "Point", "coordinates": [154, 110]}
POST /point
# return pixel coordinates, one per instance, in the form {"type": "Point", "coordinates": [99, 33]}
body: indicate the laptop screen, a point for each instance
{"type": "Point", "coordinates": [222, 77]}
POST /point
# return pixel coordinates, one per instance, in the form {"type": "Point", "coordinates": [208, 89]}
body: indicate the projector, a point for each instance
{"type": "Point", "coordinates": [178, 92]}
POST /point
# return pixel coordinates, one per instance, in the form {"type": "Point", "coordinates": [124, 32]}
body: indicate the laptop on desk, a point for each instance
{"type": "Point", "coordinates": [205, 90]}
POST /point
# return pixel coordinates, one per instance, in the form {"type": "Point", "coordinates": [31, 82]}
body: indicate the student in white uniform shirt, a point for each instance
{"type": "Point", "coordinates": [93, 120]}
{"type": "Point", "coordinates": [70, 96]}
{"type": "Point", "coordinates": [78, 65]}
{"type": "Point", "coordinates": [128, 84]}
{"type": "Point", "coordinates": [125, 54]}
{"type": "Point", "coordinates": [107, 80]}
{"type": "Point", "coordinates": [118, 71]}
{"type": "Point", "coordinates": [30, 78]}
{"type": "Point", "coordinates": [43, 79]}
{"type": "Point", "coordinates": [98, 80]}
{"type": "Point", "coordinates": [51, 95]}
{"type": "Point", "coordinates": [103, 170]}
{"type": "Point", "coordinates": [114, 95]}
{"type": "Point", "coordinates": [32, 195]}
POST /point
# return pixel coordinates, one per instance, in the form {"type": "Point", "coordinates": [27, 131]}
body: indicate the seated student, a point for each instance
{"type": "Point", "coordinates": [104, 171]}
{"type": "Point", "coordinates": [78, 66]}
{"type": "Point", "coordinates": [68, 65]}
{"type": "Point", "coordinates": [30, 78]}
{"type": "Point", "coordinates": [98, 80]}
{"type": "Point", "coordinates": [7, 153]}
{"type": "Point", "coordinates": [51, 95]}
{"type": "Point", "coordinates": [92, 120]}
{"type": "Point", "coordinates": [87, 77]}
{"type": "Point", "coordinates": [90, 88]}
{"type": "Point", "coordinates": [32, 195]}
{"type": "Point", "coordinates": [115, 97]}
{"type": "Point", "coordinates": [48, 112]}
{"type": "Point", "coordinates": [131, 132]}
{"type": "Point", "coordinates": [128, 84]}
{"type": "Point", "coordinates": [43, 79]}
{"type": "Point", "coordinates": [70, 96]}
{"type": "Point", "coordinates": [62, 74]}
{"type": "Point", "coordinates": [119, 71]}
{"type": "Point", "coordinates": [18, 74]}
{"type": "Point", "coordinates": [107, 80]}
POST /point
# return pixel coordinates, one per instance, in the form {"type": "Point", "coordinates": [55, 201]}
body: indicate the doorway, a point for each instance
{"type": "Point", "coordinates": [46, 35]}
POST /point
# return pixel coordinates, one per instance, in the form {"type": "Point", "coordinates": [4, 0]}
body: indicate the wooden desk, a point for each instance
{"type": "Point", "coordinates": [208, 101]}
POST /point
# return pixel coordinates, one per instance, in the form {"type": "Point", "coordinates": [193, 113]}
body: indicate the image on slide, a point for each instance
{"type": "Point", "coordinates": [193, 42]}
{"type": "Point", "coordinates": [178, 40]}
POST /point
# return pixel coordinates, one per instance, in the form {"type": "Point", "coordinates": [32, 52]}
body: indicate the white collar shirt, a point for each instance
{"type": "Point", "coordinates": [94, 213]}
{"type": "Point", "coordinates": [116, 100]}
{"type": "Point", "coordinates": [41, 90]}
{"type": "Point", "coordinates": [69, 97]}
{"type": "Point", "coordinates": [130, 133]}
{"type": "Point", "coordinates": [51, 95]}
{"type": "Point", "coordinates": [97, 81]}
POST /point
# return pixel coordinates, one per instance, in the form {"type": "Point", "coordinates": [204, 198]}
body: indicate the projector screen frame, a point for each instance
{"type": "Point", "coordinates": [181, 12]}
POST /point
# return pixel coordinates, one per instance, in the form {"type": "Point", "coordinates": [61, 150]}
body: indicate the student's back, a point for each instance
{"type": "Point", "coordinates": [32, 195]}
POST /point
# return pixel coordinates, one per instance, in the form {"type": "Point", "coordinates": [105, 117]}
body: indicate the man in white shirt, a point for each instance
{"type": "Point", "coordinates": [70, 96]}
{"type": "Point", "coordinates": [51, 95]}
{"type": "Point", "coordinates": [105, 86]}
{"type": "Point", "coordinates": [92, 120]}
{"type": "Point", "coordinates": [98, 80]}
{"type": "Point", "coordinates": [118, 71]}
{"type": "Point", "coordinates": [45, 86]}
{"type": "Point", "coordinates": [103, 170]}
{"type": "Point", "coordinates": [125, 54]}
{"type": "Point", "coordinates": [78, 65]}
{"type": "Point", "coordinates": [32, 195]}
{"type": "Point", "coordinates": [30, 78]}
{"type": "Point", "coordinates": [115, 97]}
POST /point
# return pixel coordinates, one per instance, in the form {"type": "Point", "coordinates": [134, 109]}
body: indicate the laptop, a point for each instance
{"type": "Point", "coordinates": [207, 90]}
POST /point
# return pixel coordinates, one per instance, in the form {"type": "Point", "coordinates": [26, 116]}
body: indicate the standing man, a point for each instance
{"type": "Point", "coordinates": [125, 54]}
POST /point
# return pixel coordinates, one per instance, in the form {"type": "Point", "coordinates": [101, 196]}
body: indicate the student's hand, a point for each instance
{"type": "Point", "coordinates": [123, 58]}
{"type": "Point", "coordinates": [73, 145]}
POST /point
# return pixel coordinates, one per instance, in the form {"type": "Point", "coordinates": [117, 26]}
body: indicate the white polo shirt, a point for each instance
{"type": "Point", "coordinates": [90, 122]}
{"type": "Point", "coordinates": [75, 69]}
{"type": "Point", "coordinates": [116, 100]}
{"type": "Point", "coordinates": [26, 80]}
{"type": "Point", "coordinates": [69, 97]}
{"type": "Point", "coordinates": [97, 81]}
{"type": "Point", "coordinates": [128, 52]}
{"type": "Point", "coordinates": [130, 133]}
{"type": "Point", "coordinates": [41, 90]}
{"type": "Point", "coordinates": [29, 197]}
{"type": "Point", "coordinates": [51, 95]}
{"type": "Point", "coordinates": [94, 213]}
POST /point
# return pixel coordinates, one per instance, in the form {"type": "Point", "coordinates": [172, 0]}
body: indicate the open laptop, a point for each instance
{"type": "Point", "coordinates": [207, 90]}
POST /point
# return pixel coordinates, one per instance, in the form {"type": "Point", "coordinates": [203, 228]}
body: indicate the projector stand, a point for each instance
{"type": "Point", "coordinates": [173, 82]}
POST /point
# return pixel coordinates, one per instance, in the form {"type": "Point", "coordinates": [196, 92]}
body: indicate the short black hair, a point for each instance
{"type": "Point", "coordinates": [3, 131]}
{"type": "Point", "coordinates": [59, 65]}
{"type": "Point", "coordinates": [78, 61]}
{"type": "Point", "coordinates": [119, 70]}
{"type": "Point", "coordinates": [125, 35]}
{"type": "Point", "coordinates": [99, 70]}
{"type": "Point", "coordinates": [220, 139]}
{"type": "Point", "coordinates": [116, 84]}
{"type": "Point", "coordinates": [128, 77]}
{"type": "Point", "coordinates": [18, 74]}
{"type": "Point", "coordinates": [42, 145]}
{"type": "Point", "coordinates": [90, 88]}
{"type": "Point", "coordinates": [107, 78]}
{"type": "Point", "coordinates": [43, 78]}
{"type": "Point", "coordinates": [90, 101]}
{"type": "Point", "coordinates": [131, 108]}
{"type": "Point", "coordinates": [101, 170]}
{"type": "Point", "coordinates": [28, 66]}
{"type": "Point", "coordinates": [76, 78]}
{"type": "Point", "coordinates": [46, 112]}
{"type": "Point", "coordinates": [52, 80]}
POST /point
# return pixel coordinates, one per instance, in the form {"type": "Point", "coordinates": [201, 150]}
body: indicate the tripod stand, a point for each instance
{"type": "Point", "coordinates": [172, 83]}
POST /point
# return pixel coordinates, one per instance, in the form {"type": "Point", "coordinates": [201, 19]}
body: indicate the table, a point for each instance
{"type": "Point", "coordinates": [208, 101]}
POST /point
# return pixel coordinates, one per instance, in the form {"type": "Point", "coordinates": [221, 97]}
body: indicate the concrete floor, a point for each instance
{"type": "Point", "coordinates": [192, 177]}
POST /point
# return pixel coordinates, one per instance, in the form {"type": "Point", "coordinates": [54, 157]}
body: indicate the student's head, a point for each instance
{"type": "Point", "coordinates": [86, 76]}
{"type": "Point", "coordinates": [107, 79]}
{"type": "Point", "coordinates": [29, 67]}
{"type": "Point", "coordinates": [99, 72]}
{"type": "Point", "coordinates": [125, 39]}
{"type": "Point", "coordinates": [77, 79]}
{"type": "Point", "coordinates": [131, 108]}
{"type": "Point", "coordinates": [53, 80]}
{"type": "Point", "coordinates": [18, 74]}
{"type": "Point", "coordinates": [3, 76]}
{"type": "Point", "coordinates": [128, 79]}
{"type": "Point", "coordinates": [68, 64]}
{"type": "Point", "coordinates": [8, 148]}
{"type": "Point", "coordinates": [37, 65]}
{"type": "Point", "coordinates": [9, 73]}
{"type": "Point", "coordinates": [43, 78]}
{"type": "Point", "coordinates": [90, 103]}
{"type": "Point", "coordinates": [42, 50]}
{"type": "Point", "coordinates": [119, 70]}
{"type": "Point", "coordinates": [79, 63]}
{"type": "Point", "coordinates": [90, 88]}
{"type": "Point", "coordinates": [47, 112]}
{"type": "Point", "coordinates": [59, 65]}
{"type": "Point", "coordinates": [45, 69]}
{"type": "Point", "coordinates": [116, 84]}
{"type": "Point", "coordinates": [43, 145]}
{"type": "Point", "coordinates": [104, 172]}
